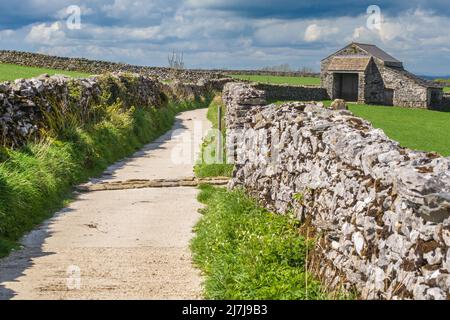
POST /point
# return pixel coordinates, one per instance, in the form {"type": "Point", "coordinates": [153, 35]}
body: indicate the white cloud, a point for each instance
{"type": "Point", "coordinates": [49, 34]}
{"type": "Point", "coordinates": [314, 32]}
{"type": "Point", "coordinates": [144, 32]}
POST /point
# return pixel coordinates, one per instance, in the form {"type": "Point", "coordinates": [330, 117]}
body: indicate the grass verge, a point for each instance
{"type": "Point", "coordinates": [205, 168]}
{"type": "Point", "coordinates": [299, 81]}
{"type": "Point", "coordinates": [37, 179]}
{"type": "Point", "coordinates": [249, 253]}
{"type": "Point", "coordinates": [9, 72]}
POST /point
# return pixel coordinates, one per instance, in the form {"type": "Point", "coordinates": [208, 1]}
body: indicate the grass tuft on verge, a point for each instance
{"type": "Point", "coordinates": [249, 253]}
{"type": "Point", "coordinates": [205, 168]}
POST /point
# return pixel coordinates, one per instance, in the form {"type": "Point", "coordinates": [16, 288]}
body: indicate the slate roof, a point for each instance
{"type": "Point", "coordinates": [349, 63]}
{"type": "Point", "coordinates": [376, 52]}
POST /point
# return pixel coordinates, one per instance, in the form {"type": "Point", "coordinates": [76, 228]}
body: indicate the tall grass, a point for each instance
{"type": "Point", "coordinates": [247, 252]}
{"type": "Point", "coordinates": [204, 169]}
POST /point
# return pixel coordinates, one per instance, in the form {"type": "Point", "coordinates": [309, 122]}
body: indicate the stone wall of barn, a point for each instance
{"type": "Point", "coordinates": [374, 92]}
{"type": "Point", "coordinates": [326, 78]}
{"type": "Point", "coordinates": [407, 92]}
{"type": "Point", "coordinates": [381, 212]}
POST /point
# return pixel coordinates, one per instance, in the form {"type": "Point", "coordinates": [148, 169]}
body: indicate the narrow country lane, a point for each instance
{"type": "Point", "coordinates": [121, 244]}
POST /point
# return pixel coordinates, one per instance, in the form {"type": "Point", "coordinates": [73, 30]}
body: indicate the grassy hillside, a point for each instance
{"type": "Point", "coordinates": [280, 79]}
{"type": "Point", "coordinates": [10, 72]}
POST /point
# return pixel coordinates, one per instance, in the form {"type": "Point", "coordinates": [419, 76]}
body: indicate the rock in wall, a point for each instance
{"type": "Point", "coordinates": [383, 211]}
{"type": "Point", "coordinates": [25, 104]}
{"type": "Point", "coordinates": [280, 92]}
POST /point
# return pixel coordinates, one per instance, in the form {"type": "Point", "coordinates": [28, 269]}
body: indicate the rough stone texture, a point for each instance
{"type": "Point", "coordinates": [381, 82]}
{"type": "Point", "coordinates": [268, 73]}
{"type": "Point", "coordinates": [26, 103]}
{"type": "Point", "coordinates": [338, 104]}
{"type": "Point", "coordinates": [383, 210]}
{"type": "Point", "coordinates": [276, 92]}
{"type": "Point", "coordinates": [155, 183]}
{"type": "Point", "coordinates": [446, 101]}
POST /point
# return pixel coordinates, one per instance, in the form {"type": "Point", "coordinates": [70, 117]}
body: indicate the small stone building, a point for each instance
{"type": "Point", "coordinates": [366, 74]}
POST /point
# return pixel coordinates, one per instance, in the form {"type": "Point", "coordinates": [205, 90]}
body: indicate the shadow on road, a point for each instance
{"type": "Point", "coordinates": [15, 265]}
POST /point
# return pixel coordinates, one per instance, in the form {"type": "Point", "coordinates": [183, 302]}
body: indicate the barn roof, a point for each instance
{"type": "Point", "coordinates": [373, 51]}
{"type": "Point", "coordinates": [349, 63]}
{"type": "Point", "coordinates": [376, 52]}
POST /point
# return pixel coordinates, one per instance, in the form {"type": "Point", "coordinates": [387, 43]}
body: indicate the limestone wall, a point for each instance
{"type": "Point", "coordinates": [26, 104]}
{"type": "Point", "coordinates": [268, 73]}
{"type": "Point", "coordinates": [381, 212]}
{"type": "Point", "coordinates": [281, 92]}
{"type": "Point", "coordinates": [98, 67]}
{"type": "Point", "coordinates": [408, 89]}
{"type": "Point", "coordinates": [446, 101]}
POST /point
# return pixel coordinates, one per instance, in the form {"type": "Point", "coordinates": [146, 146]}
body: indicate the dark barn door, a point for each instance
{"type": "Point", "coordinates": [348, 88]}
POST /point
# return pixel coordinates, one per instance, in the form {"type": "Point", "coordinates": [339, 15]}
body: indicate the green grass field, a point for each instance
{"type": "Point", "coordinates": [447, 89]}
{"type": "Point", "coordinates": [300, 81]}
{"type": "Point", "coordinates": [418, 129]}
{"type": "Point", "coordinates": [9, 72]}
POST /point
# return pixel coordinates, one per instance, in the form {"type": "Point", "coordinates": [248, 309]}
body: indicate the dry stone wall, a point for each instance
{"type": "Point", "coordinates": [281, 92]}
{"type": "Point", "coordinates": [25, 104]}
{"type": "Point", "coordinates": [99, 67]}
{"type": "Point", "coordinates": [269, 73]}
{"type": "Point", "coordinates": [446, 101]}
{"type": "Point", "coordinates": [381, 212]}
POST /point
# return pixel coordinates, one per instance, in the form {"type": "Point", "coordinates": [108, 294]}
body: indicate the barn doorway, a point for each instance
{"type": "Point", "coordinates": [346, 85]}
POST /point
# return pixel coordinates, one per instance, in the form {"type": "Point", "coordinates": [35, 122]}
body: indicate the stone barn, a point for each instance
{"type": "Point", "coordinates": [366, 74]}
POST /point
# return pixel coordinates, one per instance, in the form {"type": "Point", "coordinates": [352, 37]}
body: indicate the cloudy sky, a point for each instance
{"type": "Point", "coordinates": [230, 33]}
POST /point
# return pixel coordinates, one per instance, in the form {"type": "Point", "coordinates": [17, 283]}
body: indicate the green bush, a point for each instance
{"type": "Point", "coordinates": [247, 252]}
